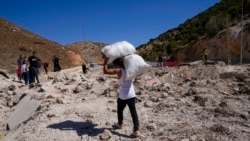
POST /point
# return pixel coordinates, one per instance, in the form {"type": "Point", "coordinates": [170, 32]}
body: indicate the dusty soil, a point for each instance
{"type": "Point", "coordinates": [186, 103]}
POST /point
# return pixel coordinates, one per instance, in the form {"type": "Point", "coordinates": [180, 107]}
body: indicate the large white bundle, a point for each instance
{"type": "Point", "coordinates": [117, 50]}
{"type": "Point", "coordinates": [135, 66]}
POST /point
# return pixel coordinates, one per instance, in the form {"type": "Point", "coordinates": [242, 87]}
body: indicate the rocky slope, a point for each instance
{"type": "Point", "coordinates": [225, 46]}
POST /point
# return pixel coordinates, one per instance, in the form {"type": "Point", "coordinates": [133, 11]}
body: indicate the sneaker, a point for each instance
{"type": "Point", "coordinates": [32, 85]}
{"type": "Point", "coordinates": [117, 126]}
{"type": "Point", "coordinates": [135, 134]}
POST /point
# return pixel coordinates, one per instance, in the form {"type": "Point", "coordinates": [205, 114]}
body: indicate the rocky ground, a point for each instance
{"type": "Point", "coordinates": [184, 103]}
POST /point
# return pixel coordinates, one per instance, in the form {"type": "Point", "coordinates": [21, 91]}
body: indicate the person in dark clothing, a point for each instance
{"type": "Point", "coordinates": [34, 63]}
{"type": "Point", "coordinates": [20, 61]}
{"type": "Point", "coordinates": [57, 67]}
{"type": "Point", "coordinates": [84, 68]}
{"type": "Point", "coordinates": [205, 54]}
{"type": "Point", "coordinates": [160, 61]}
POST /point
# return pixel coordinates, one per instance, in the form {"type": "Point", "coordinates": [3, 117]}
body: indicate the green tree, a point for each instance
{"type": "Point", "coordinates": [215, 24]}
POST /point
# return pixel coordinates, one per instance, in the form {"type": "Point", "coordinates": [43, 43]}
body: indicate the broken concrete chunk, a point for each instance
{"type": "Point", "coordinates": [25, 109]}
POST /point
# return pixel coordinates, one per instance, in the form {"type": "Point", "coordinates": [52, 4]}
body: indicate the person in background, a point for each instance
{"type": "Point", "coordinates": [20, 61]}
{"type": "Point", "coordinates": [84, 68]}
{"type": "Point", "coordinates": [25, 73]}
{"type": "Point", "coordinates": [126, 96]}
{"type": "Point", "coordinates": [34, 63]}
{"type": "Point", "coordinates": [19, 73]}
{"type": "Point", "coordinates": [45, 66]}
{"type": "Point", "coordinates": [55, 60]}
{"type": "Point", "coordinates": [205, 54]}
{"type": "Point", "coordinates": [160, 61]}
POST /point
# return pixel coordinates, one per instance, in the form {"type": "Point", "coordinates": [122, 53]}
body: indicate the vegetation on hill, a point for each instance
{"type": "Point", "coordinates": [207, 23]}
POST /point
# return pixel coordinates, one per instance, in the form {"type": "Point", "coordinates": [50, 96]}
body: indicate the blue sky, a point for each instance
{"type": "Point", "coordinates": [106, 21]}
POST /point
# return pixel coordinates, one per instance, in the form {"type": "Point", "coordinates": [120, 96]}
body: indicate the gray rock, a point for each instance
{"type": "Point", "coordinates": [25, 109]}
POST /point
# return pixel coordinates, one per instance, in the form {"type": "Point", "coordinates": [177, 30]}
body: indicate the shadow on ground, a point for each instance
{"type": "Point", "coordinates": [84, 128]}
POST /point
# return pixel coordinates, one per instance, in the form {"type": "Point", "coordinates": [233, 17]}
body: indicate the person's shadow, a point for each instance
{"type": "Point", "coordinates": [82, 128]}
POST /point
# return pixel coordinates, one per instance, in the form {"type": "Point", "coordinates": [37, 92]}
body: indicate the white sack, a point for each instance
{"type": "Point", "coordinates": [135, 66]}
{"type": "Point", "coordinates": [117, 50]}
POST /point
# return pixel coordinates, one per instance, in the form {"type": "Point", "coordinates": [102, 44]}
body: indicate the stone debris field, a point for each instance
{"type": "Point", "coordinates": [183, 103]}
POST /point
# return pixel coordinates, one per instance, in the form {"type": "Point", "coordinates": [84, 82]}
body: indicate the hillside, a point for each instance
{"type": "Point", "coordinates": [225, 46]}
{"type": "Point", "coordinates": [217, 28]}
{"type": "Point", "coordinates": [15, 40]}
{"type": "Point", "coordinates": [89, 51]}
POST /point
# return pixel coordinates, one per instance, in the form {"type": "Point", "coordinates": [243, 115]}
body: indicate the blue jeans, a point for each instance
{"type": "Point", "coordinates": [121, 104]}
{"type": "Point", "coordinates": [26, 77]}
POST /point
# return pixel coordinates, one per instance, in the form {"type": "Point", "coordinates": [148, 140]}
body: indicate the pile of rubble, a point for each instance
{"type": "Point", "coordinates": [186, 103]}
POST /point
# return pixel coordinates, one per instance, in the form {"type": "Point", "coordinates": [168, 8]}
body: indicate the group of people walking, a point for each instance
{"type": "Point", "coordinates": [29, 70]}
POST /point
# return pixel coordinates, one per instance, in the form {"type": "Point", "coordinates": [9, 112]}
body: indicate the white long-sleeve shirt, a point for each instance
{"type": "Point", "coordinates": [126, 89]}
{"type": "Point", "coordinates": [24, 68]}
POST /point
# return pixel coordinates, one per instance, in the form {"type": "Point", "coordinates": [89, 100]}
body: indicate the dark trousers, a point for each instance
{"type": "Point", "coordinates": [46, 69]}
{"type": "Point", "coordinates": [121, 104]}
{"type": "Point", "coordinates": [33, 74]}
{"type": "Point", "coordinates": [57, 67]}
{"type": "Point", "coordinates": [84, 69]}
